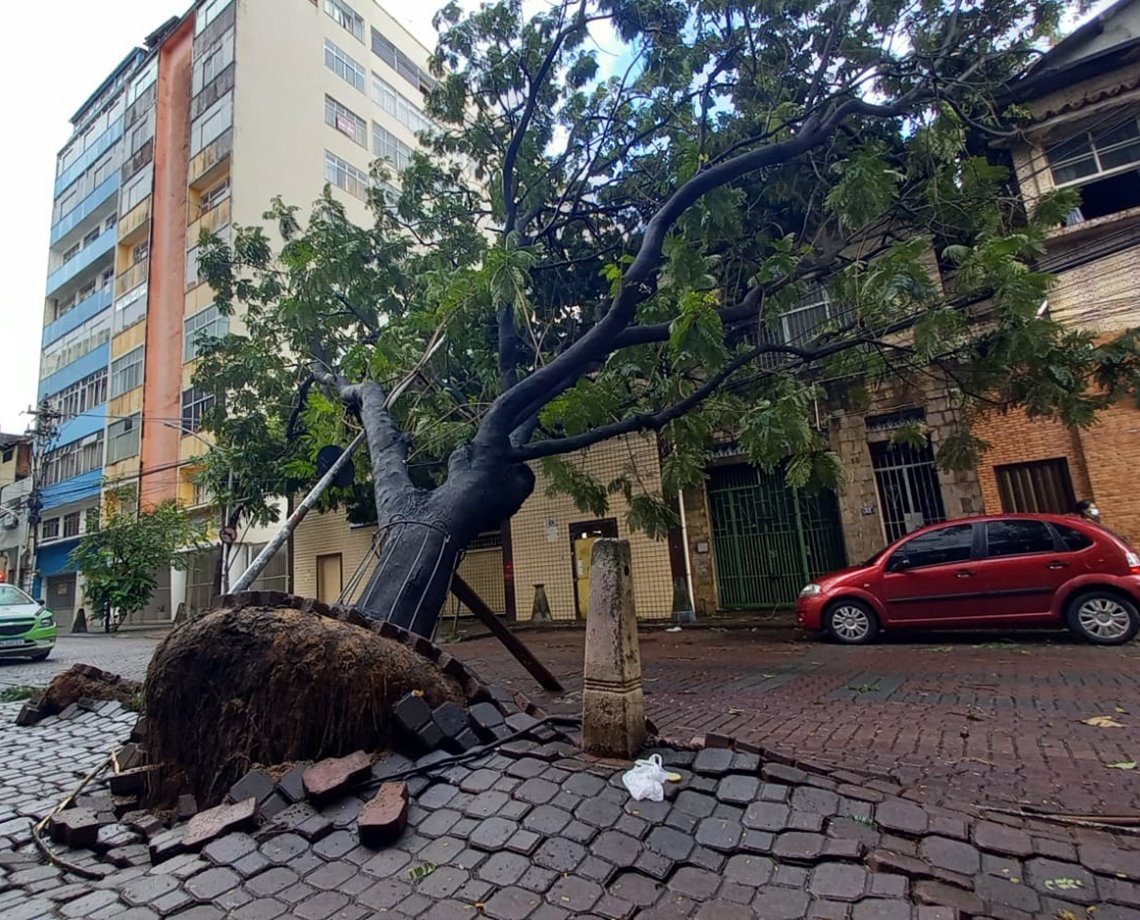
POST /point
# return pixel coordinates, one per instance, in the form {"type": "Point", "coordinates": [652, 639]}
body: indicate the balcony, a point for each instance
{"type": "Point", "coordinates": [81, 260]}
{"type": "Point", "coordinates": [129, 310]}
{"type": "Point", "coordinates": [77, 488]}
{"type": "Point", "coordinates": [100, 146]}
{"type": "Point", "coordinates": [73, 218]}
{"type": "Point", "coordinates": [86, 309]}
{"type": "Point", "coordinates": [135, 218]}
{"type": "Point", "coordinates": [81, 367]}
{"type": "Point", "coordinates": [132, 277]}
{"type": "Point", "coordinates": [139, 161]}
{"type": "Point", "coordinates": [212, 221]}
{"type": "Point", "coordinates": [211, 156]}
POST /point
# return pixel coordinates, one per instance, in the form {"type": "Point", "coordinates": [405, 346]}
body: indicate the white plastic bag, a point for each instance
{"type": "Point", "coordinates": [644, 780]}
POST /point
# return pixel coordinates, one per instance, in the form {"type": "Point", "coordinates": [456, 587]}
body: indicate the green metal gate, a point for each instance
{"type": "Point", "coordinates": [769, 540]}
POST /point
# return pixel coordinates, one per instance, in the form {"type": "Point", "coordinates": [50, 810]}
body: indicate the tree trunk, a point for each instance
{"type": "Point", "coordinates": [424, 533]}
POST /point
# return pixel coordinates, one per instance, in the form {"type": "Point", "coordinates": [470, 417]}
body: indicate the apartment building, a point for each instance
{"type": "Point", "coordinates": [222, 108]}
{"type": "Point", "coordinates": [15, 490]}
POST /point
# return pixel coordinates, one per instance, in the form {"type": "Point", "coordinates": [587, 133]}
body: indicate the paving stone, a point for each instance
{"type": "Point", "coordinates": [695, 803]}
{"type": "Point", "coordinates": [486, 804]}
{"type": "Point", "coordinates": [438, 823]}
{"type": "Point", "coordinates": [669, 842]}
{"type": "Point", "coordinates": [767, 816]}
{"type": "Point", "coordinates": [536, 791]}
{"type": "Point", "coordinates": [952, 855]}
{"type": "Point", "coordinates": [411, 713]}
{"type": "Point", "coordinates": [698, 884]}
{"type": "Point", "coordinates": [528, 768]}
{"type": "Point", "coordinates": [749, 870]}
{"type": "Point", "coordinates": [939, 894]}
{"type": "Point", "coordinates": [537, 879]}
{"type": "Point", "coordinates": [443, 882]}
{"type": "Point", "coordinates": [877, 909]}
{"type": "Point", "coordinates": [260, 909]}
{"type": "Point", "coordinates": [997, 838]}
{"type": "Point", "coordinates": [485, 718]}
{"type": "Point", "coordinates": [1064, 881]}
{"type": "Point", "coordinates": [738, 789]}
{"type": "Point", "coordinates": [719, 834]}
{"type": "Point", "coordinates": [384, 817]}
{"type": "Point", "coordinates": [284, 847]}
{"type": "Point", "coordinates": [577, 895]}
{"type": "Point", "coordinates": [901, 817]}
{"type": "Point", "coordinates": [335, 845]}
{"type": "Point", "coordinates": [559, 854]}
{"type": "Point", "coordinates": [546, 820]}
{"type": "Point", "coordinates": [635, 888]}
{"type": "Point", "coordinates": [492, 834]}
{"type": "Point", "coordinates": [799, 846]}
{"type": "Point", "coordinates": [256, 783]}
{"type": "Point", "coordinates": [503, 869]}
{"type": "Point", "coordinates": [271, 881]}
{"type": "Point", "coordinates": [331, 776]}
{"type": "Point", "coordinates": [579, 832]}
{"type": "Point", "coordinates": [1110, 860]}
{"type": "Point", "coordinates": [88, 904]}
{"type": "Point", "coordinates": [995, 890]}
{"type": "Point", "coordinates": [208, 885]}
{"type": "Point", "coordinates": [77, 828]}
{"type": "Point", "coordinates": [216, 822]}
{"type": "Point", "coordinates": [385, 895]}
{"type": "Point", "coordinates": [598, 812]}
{"type": "Point", "coordinates": [229, 849]}
{"type": "Point", "coordinates": [584, 784]}
{"type": "Point", "coordinates": [713, 761]}
{"type": "Point", "coordinates": [511, 904]}
{"type": "Point", "coordinates": [838, 881]}
{"type": "Point", "coordinates": [144, 890]}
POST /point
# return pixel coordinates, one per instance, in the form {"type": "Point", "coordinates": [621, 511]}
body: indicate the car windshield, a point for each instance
{"type": "Point", "coordinates": [10, 594]}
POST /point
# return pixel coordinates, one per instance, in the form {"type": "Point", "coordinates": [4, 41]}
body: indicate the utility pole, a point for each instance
{"type": "Point", "coordinates": [44, 431]}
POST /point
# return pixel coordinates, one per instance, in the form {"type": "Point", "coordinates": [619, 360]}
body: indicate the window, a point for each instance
{"type": "Point", "coordinates": [137, 188]}
{"type": "Point", "coordinates": [83, 395]}
{"type": "Point", "coordinates": [102, 170]}
{"type": "Point", "coordinates": [1018, 538]}
{"type": "Point", "coordinates": [71, 524]}
{"type": "Point", "coordinates": [210, 65]}
{"type": "Point", "coordinates": [387, 146]}
{"type": "Point", "coordinates": [50, 529]}
{"type": "Point", "coordinates": [399, 106]}
{"type": "Point", "coordinates": [939, 547]}
{"type": "Point", "coordinates": [1103, 162]}
{"type": "Point", "coordinates": [202, 326]}
{"type": "Point", "coordinates": [123, 438]}
{"type": "Point", "coordinates": [73, 459]}
{"type": "Point", "coordinates": [71, 252]}
{"type": "Point", "coordinates": [76, 344]}
{"type": "Point", "coordinates": [92, 237]}
{"type": "Point", "coordinates": [345, 121]}
{"type": "Point", "coordinates": [143, 82]}
{"type": "Point", "coordinates": [346, 17]}
{"type": "Point", "coordinates": [1040, 487]}
{"type": "Point", "coordinates": [208, 12]}
{"type": "Point", "coordinates": [1073, 539]}
{"type": "Point", "coordinates": [9, 454]}
{"type": "Point", "coordinates": [214, 196]}
{"type": "Point", "coordinates": [111, 220]}
{"type": "Point", "coordinates": [387, 51]}
{"type": "Point", "coordinates": [802, 323]}
{"type": "Point", "coordinates": [212, 123]}
{"type": "Point", "coordinates": [140, 252]}
{"type": "Point", "coordinates": [343, 65]}
{"type": "Point", "coordinates": [346, 176]}
{"type": "Point", "coordinates": [127, 372]}
{"type": "Point", "coordinates": [195, 404]}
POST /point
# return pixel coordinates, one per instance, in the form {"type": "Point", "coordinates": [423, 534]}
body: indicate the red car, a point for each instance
{"type": "Point", "coordinates": [1000, 570]}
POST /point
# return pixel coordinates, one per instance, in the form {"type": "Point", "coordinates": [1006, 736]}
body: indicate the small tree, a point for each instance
{"type": "Point", "coordinates": [121, 555]}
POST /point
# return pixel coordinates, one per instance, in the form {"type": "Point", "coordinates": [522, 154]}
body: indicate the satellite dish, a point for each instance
{"type": "Point", "coordinates": [326, 457]}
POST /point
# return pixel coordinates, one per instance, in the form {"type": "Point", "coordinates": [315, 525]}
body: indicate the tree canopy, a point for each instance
{"type": "Point", "coordinates": [620, 206]}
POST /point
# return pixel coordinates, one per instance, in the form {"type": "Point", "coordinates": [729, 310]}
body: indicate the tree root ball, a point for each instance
{"type": "Point", "coordinates": [267, 686]}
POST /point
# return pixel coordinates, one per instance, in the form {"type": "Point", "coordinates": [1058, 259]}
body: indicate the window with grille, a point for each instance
{"type": "Point", "coordinates": [123, 438]}
{"type": "Point", "coordinates": [1039, 487]}
{"type": "Point", "coordinates": [387, 146]}
{"type": "Point", "coordinates": [346, 176]}
{"type": "Point", "coordinates": [195, 405]}
{"type": "Point", "coordinates": [49, 530]}
{"type": "Point", "coordinates": [73, 459]}
{"type": "Point", "coordinates": [201, 328]}
{"type": "Point", "coordinates": [82, 395]}
{"type": "Point", "coordinates": [344, 65]}
{"type": "Point", "coordinates": [345, 121]}
{"type": "Point", "coordinates": [127, 372]}
{"type": "Point", "coordinates": [71, 524]}
{"type": "Point", "coordinates": [345, 16]}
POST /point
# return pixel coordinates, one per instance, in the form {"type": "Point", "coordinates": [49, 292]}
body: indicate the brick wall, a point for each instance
{"type": "Point", "coordinates": [1110, 449]}
{"type": "Point", "coordinates": [323, 534]}
{"type": "Point", "coordinates": [540, 534]}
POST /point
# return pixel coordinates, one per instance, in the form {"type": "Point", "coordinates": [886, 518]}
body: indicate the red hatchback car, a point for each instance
{"type": "Point", "coordinates": [1000, 570]}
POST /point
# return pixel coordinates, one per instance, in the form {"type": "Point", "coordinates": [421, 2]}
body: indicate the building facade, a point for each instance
{"type": "Point", "coordinates": [15, 508]}
{"type": "Point", "coordinates": [223, 108]}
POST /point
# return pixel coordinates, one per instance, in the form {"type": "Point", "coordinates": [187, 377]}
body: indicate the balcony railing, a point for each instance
{"type": "Point", "coordinates": [129, 309]}
{"type": "Point", "coordinates": [100, 146]}
{"type": "Point", "coordinates": [134, 218]}
{"type": "Point", "coordinates": [86, 309]}
{"type": "Point", "coordinates": [211, 220]}
{"type": "Point", "coordinates": [81, 260]}
{"type": "Point", "coordinates": [132, 277]}
{"type": "Point", "coordinates": [76, 215]}
{"type": "Point", "coordinates": [211, 155]}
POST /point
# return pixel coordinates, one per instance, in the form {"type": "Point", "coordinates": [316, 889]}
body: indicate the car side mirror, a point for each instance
{"type": "Point", "coordinates": [41, 602]}
{"type": "Point", "coordinates": [898, 563]}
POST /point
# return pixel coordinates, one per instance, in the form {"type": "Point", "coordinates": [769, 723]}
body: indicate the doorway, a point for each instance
{"type": "Point", "coordinates": [330, 578]}
{"type": "Point", "coordinates": [583, 535]}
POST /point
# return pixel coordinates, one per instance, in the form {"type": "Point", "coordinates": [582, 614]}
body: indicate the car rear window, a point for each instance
{"type": "Point", "coordinates": [1018, 538]}
{"type": "Point", "coordinates": [1073, 539]}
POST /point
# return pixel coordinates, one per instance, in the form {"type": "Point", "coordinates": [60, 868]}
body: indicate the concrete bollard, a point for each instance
{"type": "Point", "coordinates": [613, 705]}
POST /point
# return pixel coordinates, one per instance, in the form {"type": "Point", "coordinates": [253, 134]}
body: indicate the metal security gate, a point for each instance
{"type": "Point", "coordinates": [769, 540]}
{"type": "Point", "coordinates": [907, 481]}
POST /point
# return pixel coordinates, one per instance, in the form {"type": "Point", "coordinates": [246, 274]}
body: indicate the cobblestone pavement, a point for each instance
{"type": "Point", "coordinates": [535, 832]}
{"type": "Point", "coordinates": [957, 717]}
{"type": "Point", "coordinates": [125, 654]}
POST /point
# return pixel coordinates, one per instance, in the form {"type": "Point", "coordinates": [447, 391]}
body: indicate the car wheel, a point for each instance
{"type": "Point", "coordinates": [852, 623]}
{"type": "Point", "coordinates": [1103, 618]}
{"type": "Point", "coordinates": [40, 656]}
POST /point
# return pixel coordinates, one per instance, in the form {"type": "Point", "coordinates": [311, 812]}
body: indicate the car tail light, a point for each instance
{"type": "Point", "coordinates": [1133, 562]}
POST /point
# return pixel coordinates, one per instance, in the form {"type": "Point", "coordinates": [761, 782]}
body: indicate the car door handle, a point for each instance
{"type": "Point", "coordinates": [1056, 564]}
{"type": "Point", "coordinates": [965, 573]}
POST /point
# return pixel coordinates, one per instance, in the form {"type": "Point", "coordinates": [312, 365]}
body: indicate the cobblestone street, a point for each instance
{"type": "Point", "coordinates": [125, 653]}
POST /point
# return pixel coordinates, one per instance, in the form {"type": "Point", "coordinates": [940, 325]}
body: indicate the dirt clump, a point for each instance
{"type": "Point", "coordinates": [82, 681]}
{"type": "Point", "coordinates": [272, 685]}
